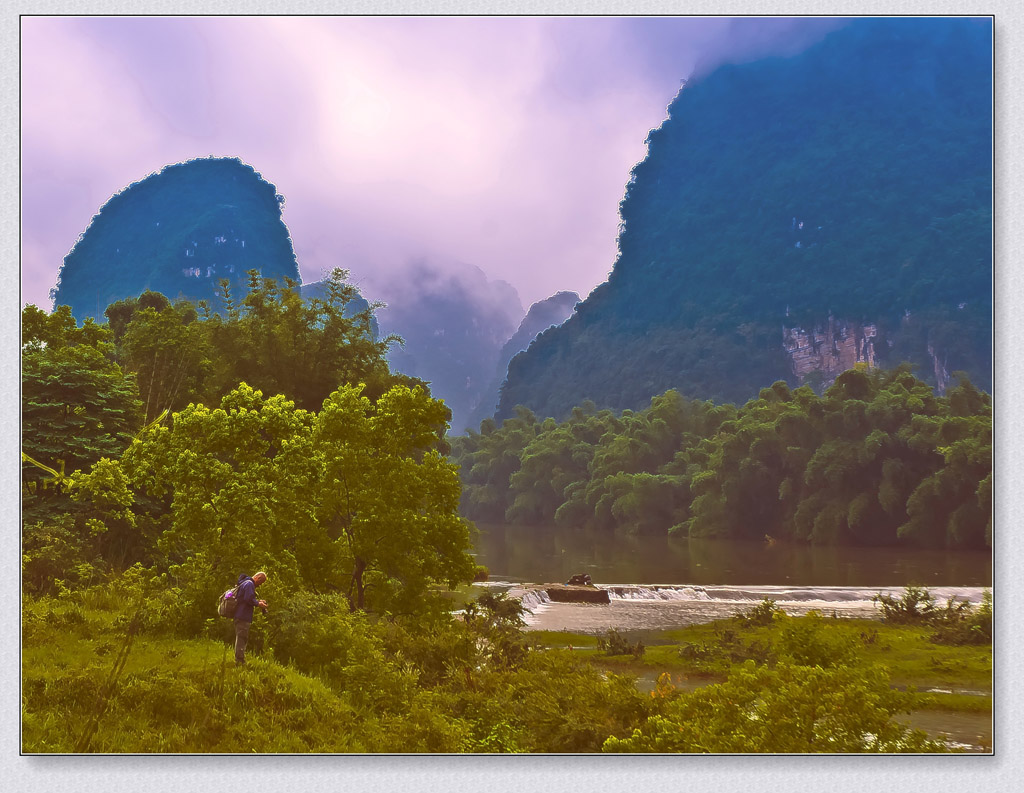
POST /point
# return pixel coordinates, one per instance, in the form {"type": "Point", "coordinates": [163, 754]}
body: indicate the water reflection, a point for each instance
{"type": "Point", "coordinates": [548, 554]}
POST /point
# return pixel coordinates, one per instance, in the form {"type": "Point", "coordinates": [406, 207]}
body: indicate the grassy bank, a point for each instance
{"type": "Point", "coordinates": [95, 679]}
{"type": "Point", "coordinates": [89, 686]}
{"type": "Point", "coordinates": [706, 653]}
{"type": "Point", "coordinates": [710, 651]}
{"type": "Point", "coordinates": [99, 674]}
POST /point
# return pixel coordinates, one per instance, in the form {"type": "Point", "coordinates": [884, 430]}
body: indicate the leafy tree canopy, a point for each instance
{"type": "Point", "coordinates": [353, 499]}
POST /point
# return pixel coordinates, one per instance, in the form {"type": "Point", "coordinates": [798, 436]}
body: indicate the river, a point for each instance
{"type": "Point", "coordinates": [664, 582]}
{"type": "Point", "coordinates": [658, 583]}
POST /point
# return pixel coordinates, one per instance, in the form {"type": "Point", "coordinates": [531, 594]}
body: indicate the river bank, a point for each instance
{"type": "Point", "coordinates": [955, 682]}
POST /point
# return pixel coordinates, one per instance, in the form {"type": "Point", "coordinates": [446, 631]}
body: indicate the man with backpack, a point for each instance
{"type": "Point", "coordinates": [246, 602]}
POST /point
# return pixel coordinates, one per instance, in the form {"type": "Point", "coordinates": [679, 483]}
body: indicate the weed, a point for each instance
{"type": "Point", "coordinates": [913, 607]}
{"type": "Point", "coordinates": [760, 615]}
{"type": "Point", "coordinates": [614, 643]}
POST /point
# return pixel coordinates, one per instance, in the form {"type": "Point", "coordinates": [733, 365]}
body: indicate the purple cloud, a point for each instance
{"type": "Point", "coordinates": [505, 143]}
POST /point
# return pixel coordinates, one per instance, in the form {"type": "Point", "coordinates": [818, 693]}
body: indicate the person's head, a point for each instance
{"type": "Point", "coordinates": [259, 578]}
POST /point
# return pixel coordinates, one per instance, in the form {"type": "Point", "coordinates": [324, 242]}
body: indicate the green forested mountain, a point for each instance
{"type": "Point", "coordinates": [179, 232]}
{"type": "Point", "coordinates": [850, 182]}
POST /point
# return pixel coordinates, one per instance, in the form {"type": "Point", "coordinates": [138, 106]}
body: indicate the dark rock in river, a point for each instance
{"type": "Point", "coordinates": [580, 579]}
{"type": "Point", "coordinates": [563, 593]}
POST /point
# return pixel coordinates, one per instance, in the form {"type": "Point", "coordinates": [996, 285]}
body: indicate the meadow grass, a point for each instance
{"type": "Point", "coordinates": [95, 681]}
{"type": "Point", "coordinates": [906, 651]}
{"type": "Point", "coordinates": [169, 695]}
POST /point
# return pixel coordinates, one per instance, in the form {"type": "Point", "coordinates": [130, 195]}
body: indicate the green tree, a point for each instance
{"type": "Point", "coordinates": [269, 337]}
{"type": "Point", "coordinates": [168, 349]}
{"type": "Point", "coordinates": [354, 499]}
{"type": "Point", "coordinates": [281, 344]}
{"type": "Point", "coordinates": [77, 405]}
{"type": "Point", "coordinates": [953, 505]}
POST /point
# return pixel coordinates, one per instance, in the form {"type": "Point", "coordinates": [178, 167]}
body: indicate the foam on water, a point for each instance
{"type": "Point", "coordinates": [661, 606]}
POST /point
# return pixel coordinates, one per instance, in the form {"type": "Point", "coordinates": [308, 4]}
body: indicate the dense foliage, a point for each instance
{"type": "Point", "coordinates": [269, 336]}
{"type": "Point", "coordinates": [81, 406]}
{"type": "Point", "coordinates": [852, 180]}
{"type": "Point", "coordinates": [77, 404]}
{"type": "Point", "coordinates": [877, 459]}
{"type": "Point", "coordinates": [353, 499]}
{"type": "Point", "coordinates": [179, 232]}
{"type": "Point", "coordinates": [158, 468]}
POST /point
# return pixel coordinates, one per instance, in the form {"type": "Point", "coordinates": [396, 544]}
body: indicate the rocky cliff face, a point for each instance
{"type": "Point", "coordinates": [822, 353]}
{"type": "Point", "coordinates": [940, 369]}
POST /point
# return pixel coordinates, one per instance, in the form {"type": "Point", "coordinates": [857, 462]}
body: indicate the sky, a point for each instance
{"type": "Point", "coordinates": [500, 143]}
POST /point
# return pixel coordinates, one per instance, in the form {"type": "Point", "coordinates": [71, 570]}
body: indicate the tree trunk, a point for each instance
{"type": "Point", "coordinates": [358, 602]}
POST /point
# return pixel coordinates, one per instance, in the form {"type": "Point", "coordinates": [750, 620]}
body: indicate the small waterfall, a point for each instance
{"type": "Point", "coordinates": [648, 606]}
{"type": "Point", "coordinates": [657, 593]}
{"type": "Point", "coordinates": [532, 599]}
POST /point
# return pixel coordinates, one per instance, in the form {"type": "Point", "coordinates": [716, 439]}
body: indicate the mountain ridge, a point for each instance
{"type": "Point", "coordinates": [178, 231]}
{"type": "Point", "coordinates": [849, 183]}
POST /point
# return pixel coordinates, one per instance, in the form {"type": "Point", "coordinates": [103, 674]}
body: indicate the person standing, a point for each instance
{"type": "Point", "coordinates": [247, 602]}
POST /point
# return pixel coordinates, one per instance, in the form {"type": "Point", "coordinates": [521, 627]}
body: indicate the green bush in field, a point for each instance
{"type": "Point", "coordinates": [808, 642]}
{"type": "Point", "coordinates": [496, 620]}
{"type": "Point", "coordinates": [914, 606]}
{"type": "Point", "coordinates": [785, 708]}
{"type": "Point", "coordinates": [614, 643]}
{"type": "Point", "coordinates": [959, 623]}
{"type": "Point", "coordinates": [761, 614]}
{"type": "Point", "coordinates": [564, 704]}
{"type": "Point", "coordinates": [53, 550]}
{"type": "Point", "coordinates": [956, 622]}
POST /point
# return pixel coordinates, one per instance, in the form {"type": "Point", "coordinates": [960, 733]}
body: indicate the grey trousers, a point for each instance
{"type": "Point", "coordinates": [241, 639]}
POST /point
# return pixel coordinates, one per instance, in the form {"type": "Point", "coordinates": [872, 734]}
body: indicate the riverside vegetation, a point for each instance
{"type": "Point", "coordinates": [174, 447]}
{"type": "Point", "coordinates": [878, 459]}
{"type": "Point", "coordinates": [803, 676]}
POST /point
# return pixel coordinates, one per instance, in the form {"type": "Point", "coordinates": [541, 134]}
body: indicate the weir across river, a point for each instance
{"type": "Point", "coordinates": [652, 607]}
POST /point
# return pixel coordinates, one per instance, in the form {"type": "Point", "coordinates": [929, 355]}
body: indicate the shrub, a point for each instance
{"type": "Point", "coordinates": [913, 607]}
{"type": "Point", "coordinates": [785, 708]}
{"type": "Point", "coordinates": [614, 643]}
{"type": "Point", "coordinates": [53, 555]}
{"type": "Point", "coordinates": [959, 623]}
{"type": "Point", "coordinates": [761, 614]}
{"type": "Point", "coordinates": [807, 642]}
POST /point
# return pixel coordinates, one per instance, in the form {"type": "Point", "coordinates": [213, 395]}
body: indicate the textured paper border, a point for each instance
{"type": "Point", "coordinates": [579, 774]}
